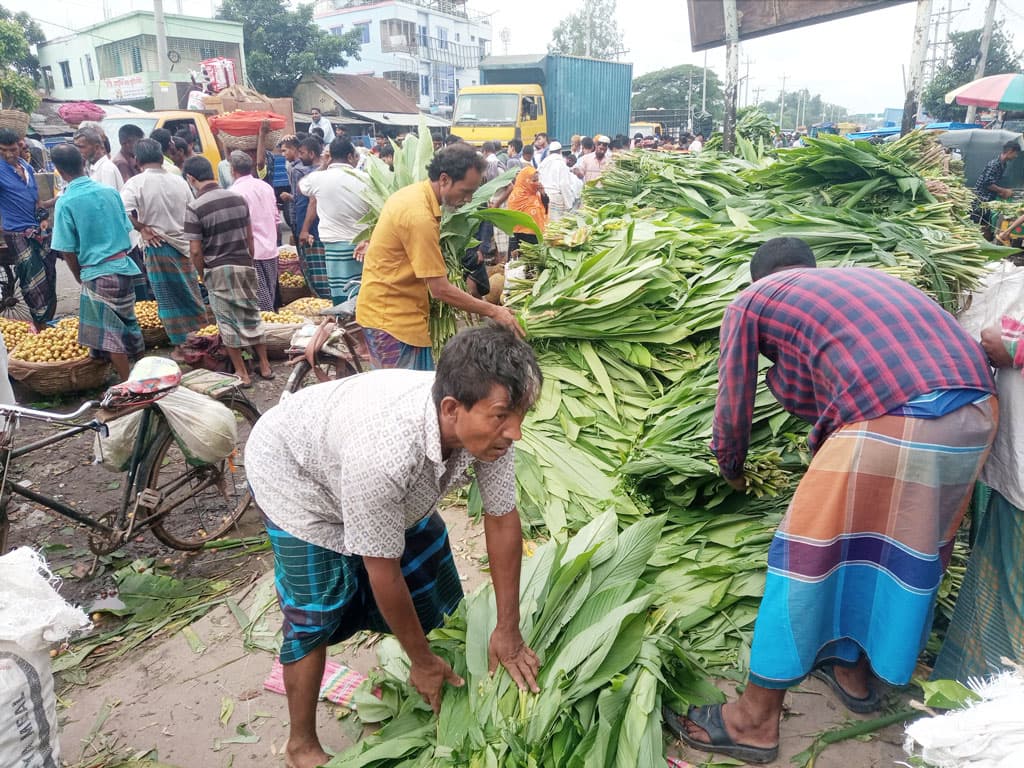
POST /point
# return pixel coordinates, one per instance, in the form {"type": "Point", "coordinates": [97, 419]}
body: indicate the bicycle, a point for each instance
{"type": "Point", "coordinates": [183, 504]}
{"type": "Point", "coordinates": [332, 351]}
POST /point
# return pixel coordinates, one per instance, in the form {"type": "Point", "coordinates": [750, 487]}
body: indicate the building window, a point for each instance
{"type": "Point", "coordinates": [424, 35]}
{"type": "Point", "coordinates": [442, 38]}
{"type": "Point", "coordinates": [338, 31]}
{"type": "Point", "coordinates": [397, 35]}
{"type": "Point", "coordinates": [207, 51]}
{"type": "Point", "coordinates": [407, 82]}
{"type": "Point", "coordinates": [364, 32]}
{"type": "Point", "coordinates": [89, 71]}
{"type": "Point", "coordinates": [425, 85]}
{"type": "Point", "coordinates": [48, 79]}
{"type": "Point", "coordinates": [472, 38]}
{"type": "Point", "coordinates": [136, 59]}
{"type": "Point", "coordinates": [65, 73]}
{"type": "Point", "coordinates": [457, 37]}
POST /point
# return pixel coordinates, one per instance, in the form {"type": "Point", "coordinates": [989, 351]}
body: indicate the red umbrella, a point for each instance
{"type": "Point", "coordinates": [1004, 92]}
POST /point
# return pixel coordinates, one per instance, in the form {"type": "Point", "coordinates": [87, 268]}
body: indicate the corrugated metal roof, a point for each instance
{"type": "Point", "coordinates": [362, 92]}
{"type": "Point", "coordinates": [404, 119]}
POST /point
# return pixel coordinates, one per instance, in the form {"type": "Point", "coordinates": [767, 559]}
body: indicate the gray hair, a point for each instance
{"type": "Point", "coordinates": [240, 162]}
{"type": "Point", "coordinates": [93, 135]}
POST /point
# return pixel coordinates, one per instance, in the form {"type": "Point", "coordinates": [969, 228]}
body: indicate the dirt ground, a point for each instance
{"type": "Point", "coordinates": [203, 704]}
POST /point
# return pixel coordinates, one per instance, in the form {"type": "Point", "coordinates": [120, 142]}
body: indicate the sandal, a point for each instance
{"type": "Point", "coordinates": [267, 376]}
{"type": "Point", "coordinates": [826, 672]}
{"type": "Point", "coordinates": [709, 718]}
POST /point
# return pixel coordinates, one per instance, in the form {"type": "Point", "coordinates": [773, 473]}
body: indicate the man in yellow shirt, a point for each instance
{"type": "Point", "coordinates": [404, 266]}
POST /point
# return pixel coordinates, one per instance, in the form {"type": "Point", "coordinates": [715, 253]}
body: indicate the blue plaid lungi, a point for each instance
{"type": "Point", "coordinates": [343, 271]}
{"type": "Point", "coordinates": [325, 596]}
{"type": "Point", "coordinates": [176, 285]}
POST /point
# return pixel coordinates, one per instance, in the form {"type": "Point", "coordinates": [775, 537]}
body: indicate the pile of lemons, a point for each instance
{"type": "Point", "coordinates": [14, 331]}
{"type": "Point", "coordinates": [54, 345]}
{"type": "Point", "coordinates": [288, 280]}
{"type": "Point", "coordinates": [147, 315]}
{"type": "Point", "coordinates": [208, 330]}
{"type": "Point", "coordinates": [284, 316]}
{"type": "Point", "coordinates": [308, 307]}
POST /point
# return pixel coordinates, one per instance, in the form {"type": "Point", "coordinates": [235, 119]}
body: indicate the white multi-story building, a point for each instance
{"type": "Point", "coordinates": [428, 49]}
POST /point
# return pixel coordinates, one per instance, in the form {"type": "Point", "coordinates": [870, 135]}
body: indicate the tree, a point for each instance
{"type": "Point", "coordinates": [679, 88]}
{"type": "Point", "coordinates": [811, 108]}
{"type": "Point", "coordinates": [960, 70]}
{"type": "Point", "coordinates": [591, 31]}
{"type": "Point", "coordinates": [18, 90]}
{"type": "Point", "coordinates": [26, 64]}
{"type": "Point", "coordinates": [283, 45]}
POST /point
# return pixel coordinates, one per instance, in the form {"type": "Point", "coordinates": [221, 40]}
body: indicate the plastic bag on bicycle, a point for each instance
{"type": "Point", "coordinates": [204, 429]}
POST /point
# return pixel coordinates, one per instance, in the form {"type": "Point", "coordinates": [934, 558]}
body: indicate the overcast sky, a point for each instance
{"type": "Point", "coordinates": [857, 62]}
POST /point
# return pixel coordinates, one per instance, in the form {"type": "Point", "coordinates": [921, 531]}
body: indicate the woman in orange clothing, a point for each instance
{"type": "Point", "coordinates": [524, 195]}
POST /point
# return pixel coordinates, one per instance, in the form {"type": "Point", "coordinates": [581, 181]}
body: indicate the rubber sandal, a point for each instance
{"type": "Point", "coordinates": [269, 377]}
{"type": "Point", "coordinates": [826, 672]}
{"type": "Point", "coordinates": [245, 385]}
{"type": "Point", "coordinates": [709, 718]}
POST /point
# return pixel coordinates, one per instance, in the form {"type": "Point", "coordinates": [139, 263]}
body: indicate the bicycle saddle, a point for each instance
{"type": "Point", "coordinates": [346, 311]}
{"type": "Point", "coordinates": [150, 379]}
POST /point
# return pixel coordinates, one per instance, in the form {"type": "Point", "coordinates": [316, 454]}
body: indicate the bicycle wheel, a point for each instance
{"type": "Point", "coordinates": [12, 305]}
{"type": "Point", "coordinates": [199, 504]}
{"type": "Point", "coordinates": [302, 374]}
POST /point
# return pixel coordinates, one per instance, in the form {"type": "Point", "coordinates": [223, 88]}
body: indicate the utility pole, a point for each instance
{"type": "Point", "coordinates": [689, 101]}
{"type": "Point", "coordinates": [986, 42]}
{"type": "Point", "coordinates": [746, 86]}
{"type": "Point", "coordinates": [782, 101]}
{"type": "Point", "coordinates": [920, 44]}
{"type": "Point", "coordinates": [162, 97]}
{"type": "Point", "coordinates": [704, 87]}
{"type": "Point", "coordinates": [732, 67]}
{"type": "Point", "coordinates": [757, 96]}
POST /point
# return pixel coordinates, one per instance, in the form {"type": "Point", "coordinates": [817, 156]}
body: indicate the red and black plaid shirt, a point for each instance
{"type": "Point", "coordinates": [849, 344]}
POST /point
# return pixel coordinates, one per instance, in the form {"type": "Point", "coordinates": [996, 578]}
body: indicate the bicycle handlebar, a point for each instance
{"type": "Point", "coordinates": [48, 416]}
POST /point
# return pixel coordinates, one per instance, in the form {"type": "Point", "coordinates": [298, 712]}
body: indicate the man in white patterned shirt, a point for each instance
{"type": "Point", "coordinates": [348, 475]}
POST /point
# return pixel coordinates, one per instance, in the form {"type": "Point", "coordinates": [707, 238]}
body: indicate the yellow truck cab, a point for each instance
{"type": "Point", "coordinates": [500, 113]}
{"type": "Point", "coordinates": [645, 129]}
{"type": "Point", "coordinates": [203, 141]}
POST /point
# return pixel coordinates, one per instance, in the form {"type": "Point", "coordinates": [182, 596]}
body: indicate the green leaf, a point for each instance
{"type": "Point", "coordinates": [946, 694]}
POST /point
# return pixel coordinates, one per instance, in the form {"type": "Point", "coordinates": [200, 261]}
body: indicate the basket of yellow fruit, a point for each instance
{"type": "Point", "coordinates": [308, 307]}
{"type": "Point", "coordinates": [14, 331]}
{"type": "Point", "coordinates": [293, 287]}
{"type": "Point", "coordinates": [53, 362]}
{"type": "Point", "coordinates": [278, 329]}
{"type": "Point", "coordinates": [153, 331]}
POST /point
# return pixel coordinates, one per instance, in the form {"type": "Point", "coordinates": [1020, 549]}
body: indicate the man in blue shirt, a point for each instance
{"type": "Point", "coordinates": [19, 201]}
{"type": "Point", "coordinates": [91, 228]}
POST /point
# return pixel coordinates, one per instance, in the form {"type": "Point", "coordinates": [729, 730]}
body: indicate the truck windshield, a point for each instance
{"type": "Point", "coordinates": [487, 108]}
{"type": "Point", "coordinates": [112, 125]}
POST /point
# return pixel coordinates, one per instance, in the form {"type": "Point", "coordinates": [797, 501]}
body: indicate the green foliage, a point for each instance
{"type": "Point", "coordinates": [591, 31]}
{"type": "Point", "coordinates": [26, 63]}
{"type": "Point", "coordinates": [811, 108]}
{"type": "Point", "coordinates": [960, 70]}
{"type": "Point", "coordinates": [18, 90]}
{"type": "Point", "coordinates": [679, 88]}
{"type": "Point", "coordinates": [283, 45]}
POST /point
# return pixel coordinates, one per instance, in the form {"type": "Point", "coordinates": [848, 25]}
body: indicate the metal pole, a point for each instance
{"type": "Point", "coordinates": [689, 101]}
{"type": "Point", "coordinates": [161, 40]}
{"type": "Point", "coordinates": [732, 67]}
{"type": "Point", "coordinates": [782, 101]}
{"type": "Point", "coordinates": [986, 42]}
{"type": "Point", "coordinates": [704, 87]}
{"type": "Point", "coordinates": [920, 45]}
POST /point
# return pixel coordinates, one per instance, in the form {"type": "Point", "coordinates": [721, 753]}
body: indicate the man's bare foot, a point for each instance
{"type": "Point", "coordinates": [305, 755]}
{"type": "Point", "coordinates": [742, 726]}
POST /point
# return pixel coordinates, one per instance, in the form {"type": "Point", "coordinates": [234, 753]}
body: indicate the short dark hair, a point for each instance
{"type": "Point", "coordinates": [199, 168]}
{"type": "Point", "coordinates": [148, 151]}
{"type": "Point", "coordinates": [452, 139]}
{"type": "Point", "coordinates": [312, 144]}
{"type": "Point", "coordinates": [528, 151]}
{"type": "Point", "coordinates": [341, 148]}
{"type": "Point", "coordinates": [587, 143]}
{"type": "Point", "coordinates": [478, 358]}
{"type": "Point", "coordinates": [163, 136]}
{"type": "Point", "coordinates": [780, 253]}
{"type": "Point", "coordinates": [8, 137]}
{"type": "Point", "coordinates": [455, 161]}
{"type": "Point", "coordinates": [387, 151]}
{"type": "Point", "coordinates": [316, 131]}
{"type": "Point", "coordinates": [517, 145]}
{"type": "Point", "coordinates": [129, 132]}
{"type": "Point", "coordinates": [180, 144]}
{"type": "Point", "coordinates": [1012, 146]}
{"type": "Point", "coordinates": [66, 158]}
{"type": "Point", "coordinates": [538, 135]}
{"type": "Point", "coordinates": [290, 141]}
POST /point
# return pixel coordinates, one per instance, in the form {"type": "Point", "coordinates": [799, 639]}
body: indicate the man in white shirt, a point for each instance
{"type": "Point", "coordinates": [593, 165]}
{"type": "Point", "coordinates": [319, 121]}
{"type": "Point", "coordinates": [336, 197]}
{"type": "Point", "coordinates": [348, 475]}
{"type": "Point", "coordinates": [697, 145]}
{"type": "Point", "coordinates": [556, 178]}
{"type": "Point", "coordinates": [94, 151]}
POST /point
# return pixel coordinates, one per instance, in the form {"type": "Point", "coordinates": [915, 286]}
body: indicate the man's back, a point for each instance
{"type": "Point", "coordinates": [218, 218]}
{"type": "Point", "coordinates": [338, 190]}
{"type": "Point", "coordinates": [160, 199]}
{"type": "Point", "coordinates": [262, 213]}
{"type": "Point", "coordinates": [849, 344]}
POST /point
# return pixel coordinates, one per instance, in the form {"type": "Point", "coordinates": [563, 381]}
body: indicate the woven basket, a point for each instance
{"type": "Point", "coordinates": [290, 294]}
{"type": "Point", "coordinates": [154, 337]}
{"type": "Point", "coordinates": [278, 338]}
{"type": "Point", "coordinates": [15, 120]}
{"type": "Point", "coordinates": [232, 143]}
{"type": "Point", "coordinates": [59, 378]}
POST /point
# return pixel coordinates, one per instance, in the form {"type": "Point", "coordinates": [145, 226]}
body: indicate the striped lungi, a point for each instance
{"type": "Point", "coordinates": [988, 621]}
{"type": "Point", "coordinates": [326, 596]}
{"type": "Point", "coordinates": [142, 290]}
{"type": "Point", "coordinates": [857, 561]}
{"type": "Point", "coordinates": [314, 268]}
{"type": "Point", "coordinates": [175, 285]}
{"type": "Point", "coordinates": [106, 315]}
{"type": "Point", "coordinates": [388, 352]}
{"type": "Point", "coordinates": [343, 271]}
{"type": "Point", "coordinates": [235, 306]}
{"type": "Point", "coordinates": [266, 283]}
{"type": "Point", "coordinates": [36, 270]}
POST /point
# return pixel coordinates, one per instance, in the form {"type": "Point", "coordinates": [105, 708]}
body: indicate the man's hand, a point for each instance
{"type": "Point", "coordinates": [1005, 193]}
{"type": "Point", "coordinates": [150, 237]}
{"type": "Point", "coordinates": [305, 238]}
{"type": "Point", "coordinates": [360, 252]}
{"type": "Point", "coordinates": [992, 342]}
{"type": "Point", "coordinates": [286, 197]}
{"type": "Point", "coordinates": [429, 677]}
{"type": "Point", "coordinates": [265, 126]}
{"type": "Point", "coordinates": [1003, 237]}
{"type": "Point", "coordinates": [739, 483]}
{"type": "Point", "coordinates": [508, 649]}
{"type": "Point", "coordinates": [504, 316]}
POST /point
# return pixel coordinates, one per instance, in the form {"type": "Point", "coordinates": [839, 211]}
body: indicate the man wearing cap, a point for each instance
{"type": "Point", "coordinates": [593, 165]}
{"type": "Point", "coordinates": [556, 178]}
